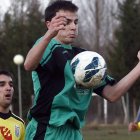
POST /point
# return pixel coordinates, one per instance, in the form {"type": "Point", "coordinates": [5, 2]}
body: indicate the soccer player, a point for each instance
{"type": "Point", "coordinates": [60, 107]}
{"type": "Point", "coordinates": [11, 126]}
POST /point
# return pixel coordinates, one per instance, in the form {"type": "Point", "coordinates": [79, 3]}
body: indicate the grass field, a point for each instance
{"type": "Point", "coordinates": [110, 133]}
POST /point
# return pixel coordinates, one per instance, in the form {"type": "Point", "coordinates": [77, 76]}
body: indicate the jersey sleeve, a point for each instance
{"type": "Point", "coordinates": [108, 81]}
{"type": "Point", "coordinates": [48, 51]}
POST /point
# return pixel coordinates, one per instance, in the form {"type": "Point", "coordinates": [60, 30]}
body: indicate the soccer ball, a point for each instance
{"type": "Point", "coordinates": [89, 69]}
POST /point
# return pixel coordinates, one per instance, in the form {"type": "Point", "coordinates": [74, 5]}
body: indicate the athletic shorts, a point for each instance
{"type": "Point", "coordinates": [36, 131]}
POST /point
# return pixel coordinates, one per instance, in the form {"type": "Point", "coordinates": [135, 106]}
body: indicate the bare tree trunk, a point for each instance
{"type": "Point", "coordinates": [134, 108]}
{"type": "Point", "coordinates": [97, 26]}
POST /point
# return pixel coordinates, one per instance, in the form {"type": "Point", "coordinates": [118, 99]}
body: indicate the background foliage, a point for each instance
{"type": "Point", "coordinates": [123, 57]}
{"type": "Point", "coordinates": [18, 32]}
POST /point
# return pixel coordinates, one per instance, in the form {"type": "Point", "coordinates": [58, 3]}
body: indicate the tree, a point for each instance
{"type": "Point", "coordinates": [123, 57]}
{"type": "Point", "coordinates": [96, 23]}
{"type": "Point", "coordinates": [21, 26]}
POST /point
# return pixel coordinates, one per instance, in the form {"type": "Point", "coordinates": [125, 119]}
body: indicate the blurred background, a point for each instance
{"type": "Point", "coordinates": [109, 27]}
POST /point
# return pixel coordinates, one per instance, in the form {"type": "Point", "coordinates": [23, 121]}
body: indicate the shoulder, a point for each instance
{"type": "Point", "coordinates": [37, 41]}
{"type": "Point", "coordinates": [77, 50]}
{"type": "Point", "coordinates": [17, 118]}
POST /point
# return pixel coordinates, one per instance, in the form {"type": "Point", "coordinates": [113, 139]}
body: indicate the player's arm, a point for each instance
{"type": "Point", "coordinates": [35, 54]}
{"type": "Point", "coordinates": [112, 93]}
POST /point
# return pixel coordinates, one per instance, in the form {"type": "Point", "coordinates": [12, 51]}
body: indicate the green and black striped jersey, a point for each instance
{"type": "Point", "coordinates": [57, 99]}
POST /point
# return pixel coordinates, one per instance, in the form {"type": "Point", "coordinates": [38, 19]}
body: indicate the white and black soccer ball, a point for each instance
{"type": "Point", "coordinates": [89, 69]}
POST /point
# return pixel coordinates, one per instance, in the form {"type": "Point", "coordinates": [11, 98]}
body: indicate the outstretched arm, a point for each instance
{"type": "Point", "coordinates": [113, 93]}
{"type": "Point", "coordinates": [35, 54]}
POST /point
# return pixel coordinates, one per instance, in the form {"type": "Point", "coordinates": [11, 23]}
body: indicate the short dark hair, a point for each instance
{"type": "Point", "coordinates": [54, 7]}
{"type": "Point", "coordinates": [7, 73]}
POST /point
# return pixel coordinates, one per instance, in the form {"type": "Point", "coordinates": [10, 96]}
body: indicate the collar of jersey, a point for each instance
{"type": "Point", "coordinates": [5, 115]}
{"type": "Point", "coordinates": [63, 45]}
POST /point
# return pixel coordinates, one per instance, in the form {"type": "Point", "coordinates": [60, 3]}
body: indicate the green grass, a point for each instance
{"type": "Point", "coordinates": [110, 133]}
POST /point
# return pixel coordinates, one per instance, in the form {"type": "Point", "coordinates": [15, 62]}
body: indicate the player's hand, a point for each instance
{"type": "Point", "coordinates": [132, 127]}
{"type": "Point", "coordinates": [57, 23]}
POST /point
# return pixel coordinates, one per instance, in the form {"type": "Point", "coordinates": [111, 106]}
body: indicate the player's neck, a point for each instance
{"type": "Point", "coordinates": [4, 110]}
{"type": "Point", "coordinates": [57, 39]}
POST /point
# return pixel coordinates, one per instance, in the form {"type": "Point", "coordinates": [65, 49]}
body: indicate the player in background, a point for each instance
{"type": "Point", "coordinates": [11, 126]}
{"type": "Point", "coordinates": [134, 126]}
{"type": "Point", "coordinates": [60, 107]}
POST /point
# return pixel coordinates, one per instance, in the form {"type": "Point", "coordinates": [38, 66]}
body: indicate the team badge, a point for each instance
{"type": "Point", "coordinates": [17, 130]}
{"type": "Point", "coordinates": [5, 132]}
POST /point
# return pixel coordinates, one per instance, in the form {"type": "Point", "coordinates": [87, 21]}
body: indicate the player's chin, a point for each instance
{"type": "Point", "coordinates": [70, 40]}
{"type": "Point", "coordinates": [7, 104]}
